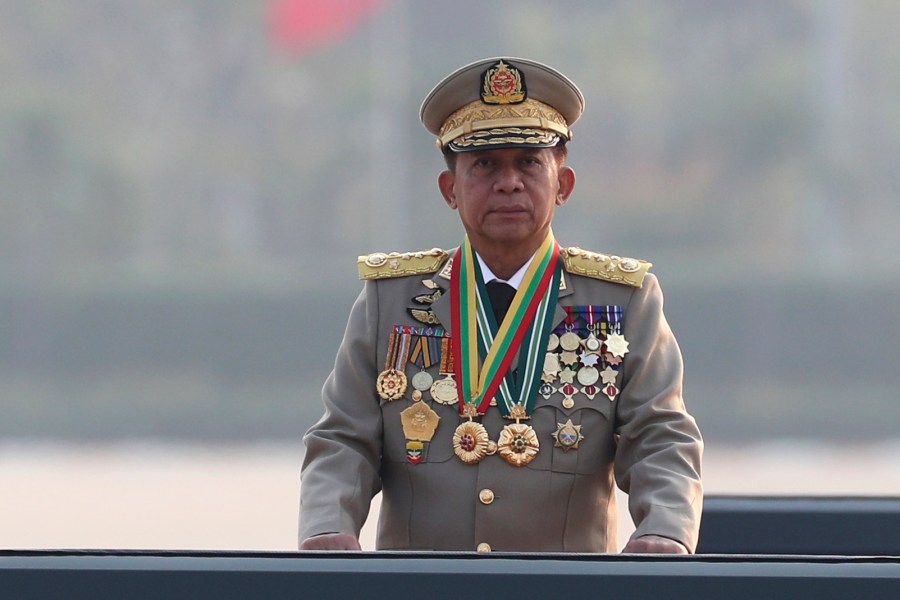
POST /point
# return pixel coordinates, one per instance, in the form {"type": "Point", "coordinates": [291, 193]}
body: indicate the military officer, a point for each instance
{"type": "Point", "coordinates": [497, 392]}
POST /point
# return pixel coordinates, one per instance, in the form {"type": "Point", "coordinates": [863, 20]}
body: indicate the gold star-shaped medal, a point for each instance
{"type": "Point", "coordinates": [608, 375]}
{"type": "Point", "coordinates": [568, 357]}
{"type": "Point", "coordinates": [567, 376]}
{"type": "Point", "coordinates": [616, 344]}
{"type": "Point", "coordinates": [551, 368]}
{"type": "Point", "coordinates": [612, 360]}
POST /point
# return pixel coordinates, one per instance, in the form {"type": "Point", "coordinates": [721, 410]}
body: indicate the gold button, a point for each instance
{"type": "Point", "coordinates": [484, 547]}
{"type": "Point", "coordinates": [486, 496]}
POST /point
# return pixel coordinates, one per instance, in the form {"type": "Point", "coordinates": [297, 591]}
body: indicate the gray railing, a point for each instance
{"type": "Point", "coordinates": [222, 576]}
{"type": "Point", "coordinates": [800, 525]}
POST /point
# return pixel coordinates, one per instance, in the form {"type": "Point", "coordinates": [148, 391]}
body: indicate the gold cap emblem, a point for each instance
{"type": "Point", "coordinates": [502, 84]}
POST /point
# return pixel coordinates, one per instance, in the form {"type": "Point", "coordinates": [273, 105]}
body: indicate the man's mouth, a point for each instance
{"type": "Point", "coordinates": [509, 209]}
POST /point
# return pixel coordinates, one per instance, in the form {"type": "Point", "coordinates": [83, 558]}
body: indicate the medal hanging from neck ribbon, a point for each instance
{"type": "Point", "coordinates": [484, 350]}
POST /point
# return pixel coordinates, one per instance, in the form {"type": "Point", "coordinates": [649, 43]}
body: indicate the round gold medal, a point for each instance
{"type": "Point", "coordinates": [471, 442]}
{"type": "Point", "coordinates": [569, 341]}
{"type": "Point", "coordinates": [518, 444]}
{"type": "Point", "coordinates": [552, 342]}
{"type": "Point", "coordinates": [444, 391]}
{"type": "Point", "coordinates": [391, 384]}
{"type": "Point", "coordinates": [588, 375]}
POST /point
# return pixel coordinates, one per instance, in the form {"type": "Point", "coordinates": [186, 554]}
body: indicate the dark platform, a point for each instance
{"type": "Point", "coordinates": [800, 525]}
{"type": "Point", "coordinates": [77, 575]}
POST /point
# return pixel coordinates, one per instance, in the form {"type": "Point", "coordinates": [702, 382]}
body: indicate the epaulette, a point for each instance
{"type": "Point", "coordinates": [379, 265]}
{"type": "Point", "coordinates": [629, 271]}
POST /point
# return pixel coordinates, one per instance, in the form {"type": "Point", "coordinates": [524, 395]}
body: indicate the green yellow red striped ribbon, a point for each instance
{"type": "Point", "coordinates": [482, 355]}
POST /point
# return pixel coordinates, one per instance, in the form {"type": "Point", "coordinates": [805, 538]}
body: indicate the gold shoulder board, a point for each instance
{"type": "Point", "coordinates": [629, 271]}
{"type": "Point", "coordinates": [379, 265]}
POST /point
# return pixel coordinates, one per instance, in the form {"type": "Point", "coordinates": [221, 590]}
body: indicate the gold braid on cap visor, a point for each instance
{"type": "Point", "coordinates": [528, 122]}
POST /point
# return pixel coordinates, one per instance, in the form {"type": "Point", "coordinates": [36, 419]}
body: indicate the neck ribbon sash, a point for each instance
{"type": "Point", "coordinates": [483, 349]}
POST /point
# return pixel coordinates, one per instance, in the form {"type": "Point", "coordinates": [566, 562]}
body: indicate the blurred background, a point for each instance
{"type": "Point", "coordinates": [185, 187]}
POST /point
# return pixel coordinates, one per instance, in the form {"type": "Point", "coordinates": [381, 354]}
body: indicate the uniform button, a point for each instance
{"type": "Point", "coordinates": [486, 496]}
{"type": "Point", "coordinates": [483, 547]}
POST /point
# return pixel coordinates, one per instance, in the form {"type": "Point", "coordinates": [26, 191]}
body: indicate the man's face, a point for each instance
{"type": "Point", "coordinates": [507, 196]}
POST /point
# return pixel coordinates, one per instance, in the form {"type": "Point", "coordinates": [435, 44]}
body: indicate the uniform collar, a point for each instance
{"type": "Point", "coordinates": [441, 307]}
{"type": "Point", "coordinates": [515, 281]}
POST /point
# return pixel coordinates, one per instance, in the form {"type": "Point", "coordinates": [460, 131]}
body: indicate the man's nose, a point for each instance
{"type": "Point", "coordinates": [509, 179]}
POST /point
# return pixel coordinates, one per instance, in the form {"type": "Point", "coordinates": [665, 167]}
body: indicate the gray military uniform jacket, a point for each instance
{"type": "Point", "coordinates": [563, 501]}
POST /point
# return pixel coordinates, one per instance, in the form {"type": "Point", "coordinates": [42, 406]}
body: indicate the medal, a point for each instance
{"type": "Point", "coordinates": [471, 442]}
{"type": "Point", "coordinates": [609, 375]}
{"type": "Point", "coordinates": [570, 341]}
{"type": "Point", "coordinates": [616, 349]}
{"type": "Point", "coordinates": [551, 368]}
{"type": "Point", "coordinates": [592, 344]}
{"type": "Point", "coordinates": [588, 375]}
{"type": "Point", "coordinates": [616, 344]}
{"type": "Point", "coordinates": [419, 422]}
{"type": "Point", "coordinates": [568, 357]}
{"type": "Point", "coordinates": [611, 391]}
{"type": "Point", "coordinates": [567, 436]}
{"type": "Point", "coordinates": [588, 359]}
{"type": "Point", "coordinates": [423, 355]}
{"type": "Point", "coordinates": [552, 342]}
{"type": "Point", "coordinates": [483, 351]}
{"type": "Point", "coordinates": [568, 390]}
{"type": "Point", "coordinates": [391, 383]}
{"type": "Point", "coordinates": [444, 390]}
{"type": "Point", "coordinates": [518, 444]}
{"type": "Point", "coordinates": [421, 382]}
{"type": "Point", "coordinates": [567, 376]}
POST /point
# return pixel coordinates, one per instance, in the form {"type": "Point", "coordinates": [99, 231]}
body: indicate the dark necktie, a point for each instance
{"type": "Point", "coordinates": [501, 295]}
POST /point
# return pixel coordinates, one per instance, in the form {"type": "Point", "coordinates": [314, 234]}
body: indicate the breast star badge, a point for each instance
{"type": "Point", "coordinates": [616, 344]}
{"type": "Point", "coordinates": [567, 436]}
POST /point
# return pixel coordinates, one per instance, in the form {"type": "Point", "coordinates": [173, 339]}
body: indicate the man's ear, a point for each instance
{"type": "Point", "coordinates": [566, 185]}
{"type": "Point", "coordinates": [446, 182]}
